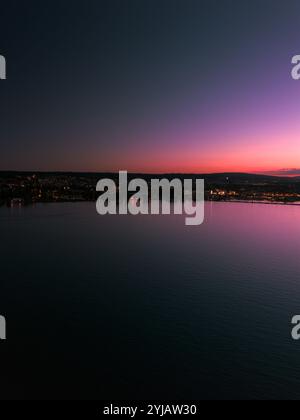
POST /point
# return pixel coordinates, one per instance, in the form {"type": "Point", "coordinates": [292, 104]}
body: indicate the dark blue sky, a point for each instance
{"type": "Point", "coordinates": [150, 85]}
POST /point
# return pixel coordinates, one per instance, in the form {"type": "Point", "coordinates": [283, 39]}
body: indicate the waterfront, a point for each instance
{"type": "Point", "coordinates": [21, 188]}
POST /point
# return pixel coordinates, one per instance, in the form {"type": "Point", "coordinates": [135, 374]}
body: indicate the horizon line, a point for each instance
{"type": "Point", "coordinates": [267, 173]}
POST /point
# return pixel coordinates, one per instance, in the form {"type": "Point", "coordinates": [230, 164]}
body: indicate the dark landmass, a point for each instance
{"type": "Point", "coordinates": [22, 188]}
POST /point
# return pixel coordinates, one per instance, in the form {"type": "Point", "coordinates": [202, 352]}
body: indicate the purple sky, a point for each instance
{"type": "Point", "coordinates": [168, 85]}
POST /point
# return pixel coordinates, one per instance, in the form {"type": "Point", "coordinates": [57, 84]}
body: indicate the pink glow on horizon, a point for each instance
{"type": "Point", "coordinates": [253, 155]}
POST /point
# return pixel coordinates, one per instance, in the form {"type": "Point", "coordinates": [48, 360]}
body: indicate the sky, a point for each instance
{"type": "Point", "coordinates": [150, 86]}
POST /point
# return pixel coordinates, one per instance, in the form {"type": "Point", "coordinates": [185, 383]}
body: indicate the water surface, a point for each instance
{"type": "Point", "coordinates": [147, 308]}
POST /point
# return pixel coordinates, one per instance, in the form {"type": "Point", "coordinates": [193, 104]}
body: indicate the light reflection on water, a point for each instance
{"type": "Point", "coordinates": [146, 307]}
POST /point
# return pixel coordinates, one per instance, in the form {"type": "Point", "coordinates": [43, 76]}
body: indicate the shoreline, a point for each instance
{"type": "Point", "coordinates": [278, 203]}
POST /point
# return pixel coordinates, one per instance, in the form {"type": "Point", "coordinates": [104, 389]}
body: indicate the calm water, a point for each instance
{"type": "Point", "coordinates": [145, 307]}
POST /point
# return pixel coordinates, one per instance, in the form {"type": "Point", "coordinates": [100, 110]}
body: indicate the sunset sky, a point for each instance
{"type": "Point", "coordinates": [150, 85]}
